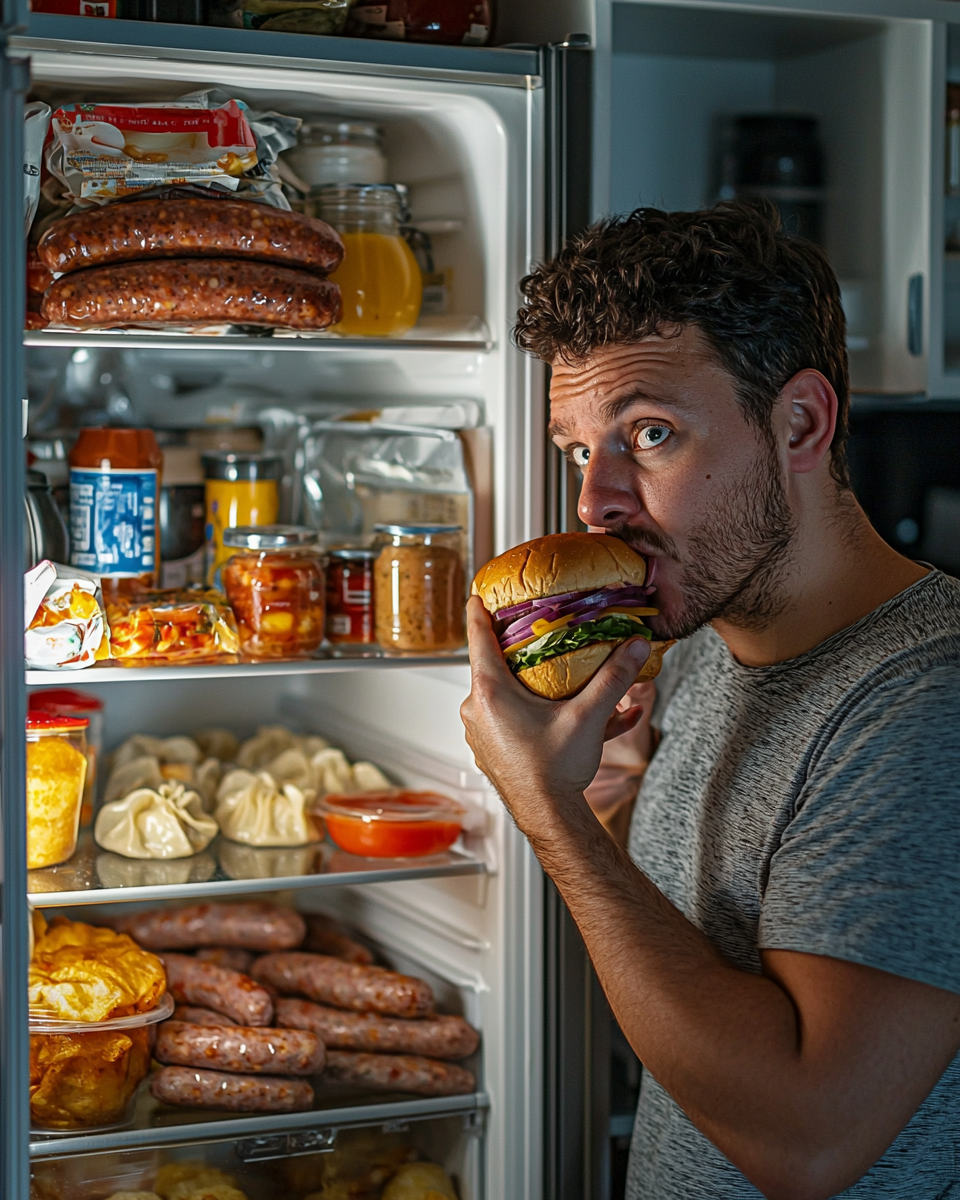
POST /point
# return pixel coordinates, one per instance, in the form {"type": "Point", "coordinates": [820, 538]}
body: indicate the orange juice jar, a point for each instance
{"type": "Point", "coordinates": [240, 489]}
{"type": "Point", "coordinates": [379, 279]}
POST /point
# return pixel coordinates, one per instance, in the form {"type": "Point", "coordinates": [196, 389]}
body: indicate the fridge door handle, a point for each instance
{"type": "Point", "coordinates": [915, 315]}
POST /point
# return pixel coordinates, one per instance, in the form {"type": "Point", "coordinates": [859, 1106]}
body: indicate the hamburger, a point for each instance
{"type": "Point", "coordinates": [562, 604]}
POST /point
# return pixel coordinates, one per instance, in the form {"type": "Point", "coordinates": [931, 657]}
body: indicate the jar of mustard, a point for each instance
{"type": "Point", "coordinates": [381, 287]}
{"type": "Point", "coordinates": [419, 589]}
{"type": "Point", "coordinates": [56, 771]}
{"type": "Point", "coordinates": [240, 488]}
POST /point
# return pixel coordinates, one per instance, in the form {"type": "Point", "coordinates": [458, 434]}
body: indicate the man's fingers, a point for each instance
{"type": "Point", "coordinates": [485, 655]}
{"type": "Point", "coordinates": [614, 679]}
{"type": "Point", "coordinates": [622, 722]}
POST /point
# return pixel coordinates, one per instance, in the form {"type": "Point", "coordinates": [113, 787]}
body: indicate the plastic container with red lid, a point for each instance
{"type": "Point", "coordinates": [56, 773]}
{"type": "Point", "coordinates": [392, 824]}
{"type": "Point", "coordinates": [71, 702]}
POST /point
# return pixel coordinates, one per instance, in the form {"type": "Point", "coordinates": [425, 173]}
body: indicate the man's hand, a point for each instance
{"type": "Point", "coordinates": [539, 752]}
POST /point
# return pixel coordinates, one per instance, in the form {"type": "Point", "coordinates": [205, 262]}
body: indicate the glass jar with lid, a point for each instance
{"type": "Point", "coordinates": [339, 152]}
{"type": "Point", "coordinates": [240, 488]}
{"type": "Point", "coordinates": [380, 282]}
{"type": "Point", "coordinates": [350, 625]}
{"type": "Point", "coordinates": [419, 589]}
{"type": "Point", "coordinates": [56, 772]}
{"type": "Point", "coordinates": [274, 584]}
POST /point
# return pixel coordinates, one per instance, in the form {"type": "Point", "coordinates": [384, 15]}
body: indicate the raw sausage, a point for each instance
{"type": "Point", "coordinates": [241, 1049]}
{"type": "Point", "coordinates": [195, 1087]}
{"type": "Point", "coordinates": [227, 956]}
{"type": "Point", "coordinates": [398, 1073]}
{"type": "Point", "coordinates": [324, 936]}
{"type": "Point", "coordinates": [345, 985]}
{"type": "Point", "coordinates": [192, 291]}
{"type": "Point", "coordinates": [229, 992]}
{"type": "Point", "coordinates": [436, 1037]}
{"type": "Point", "coordinates": [200, 1016]}
{"type": "Point", "coordinates": [185, 228]}
{"type": "Point", "coordinates": [257, 927]}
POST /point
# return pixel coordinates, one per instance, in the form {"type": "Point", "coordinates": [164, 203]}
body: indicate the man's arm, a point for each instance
{"type": "Point", "coordinates": [802, 1076]}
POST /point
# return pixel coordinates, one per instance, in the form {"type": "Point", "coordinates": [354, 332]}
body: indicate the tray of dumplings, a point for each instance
{"type": "Point", "coordinates": [210, 813]}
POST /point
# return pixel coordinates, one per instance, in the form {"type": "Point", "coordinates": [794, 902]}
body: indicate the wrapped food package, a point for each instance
{"type": "Point", "coordinates": [257, 811]}
{"type": "Point", "coordinates": [163, 822]}
{"type": "Point", "coordinates": [171, 627]}
{"type": "Point", "coordinates": [104, 152]}
{"type": "Point", "coordinates": [65, 621]}
{"type": "Point", "coordinates": [81, 974]}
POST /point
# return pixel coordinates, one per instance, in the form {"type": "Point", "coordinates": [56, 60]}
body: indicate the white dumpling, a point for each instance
{"type": "Point", "coordinates": [332, 772]}
{"type": "Point", "coordinates": [293, 766]}
{"type": "Point", "coordinates": [258, 811]}
{"type": "Point", "coordinates": [206, 780]}
{"type": "Point", "coordinates": [163, 822]}
{"type": "Point", "coordinates": [217, 743]}
{"type": "Point", "coordinates": [368, 778]}
{"type": "Point", "coordinates": [265, 745]}
{"type": "Point", "coordinates": [143, 772]}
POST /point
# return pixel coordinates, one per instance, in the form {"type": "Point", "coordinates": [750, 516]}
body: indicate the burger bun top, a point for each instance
{"type": "Point", "coordinates": [553, 565]}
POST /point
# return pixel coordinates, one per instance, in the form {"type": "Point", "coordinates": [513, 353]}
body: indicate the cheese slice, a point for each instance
{"type": "Point", "coordinates": [542, 628]}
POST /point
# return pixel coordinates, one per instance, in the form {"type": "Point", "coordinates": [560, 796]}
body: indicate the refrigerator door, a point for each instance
{"type": "Point", "coordinates": [14, 80]}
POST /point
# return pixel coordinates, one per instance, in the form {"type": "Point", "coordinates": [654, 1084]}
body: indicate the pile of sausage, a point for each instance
{"type": "Point", "coordinates": [268, 1000]}
{"type": "Point", "coordinates": [190, 262]}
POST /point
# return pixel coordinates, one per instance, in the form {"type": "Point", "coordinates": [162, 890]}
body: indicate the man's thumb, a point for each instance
{"type": "Point", "coordinates": [618, 674]}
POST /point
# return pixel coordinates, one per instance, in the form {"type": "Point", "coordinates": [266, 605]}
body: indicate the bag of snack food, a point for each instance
{"type": "Point", "coordinates": [65, 621]}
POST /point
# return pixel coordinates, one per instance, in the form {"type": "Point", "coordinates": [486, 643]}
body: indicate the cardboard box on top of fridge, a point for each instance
{"type": "Point", "coordinates": [64, 618]}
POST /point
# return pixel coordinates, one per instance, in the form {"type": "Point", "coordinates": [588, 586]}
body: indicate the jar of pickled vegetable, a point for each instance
{"type": "Point", "coordinates": [274, 583]}
{"type": "Point", "coordinates": [419, 589]}
{"type": "Point", "coordinates": [381, 287]}
{"type": "Point", "coordinates": [56, 771]}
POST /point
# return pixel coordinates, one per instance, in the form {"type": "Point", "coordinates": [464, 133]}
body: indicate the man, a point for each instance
{"type": "Point", "coordinates": [781, 945]}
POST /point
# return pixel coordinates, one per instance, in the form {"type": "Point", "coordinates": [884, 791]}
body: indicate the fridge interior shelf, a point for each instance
{"type": "Point", "coordinates": [114, 673]}
{"type": "Point", "coordinates": [225, 868]}
{"type": "Point", "coordinates": [265, 1135]}
{"type": "Point", "coordinates": [448, 334]}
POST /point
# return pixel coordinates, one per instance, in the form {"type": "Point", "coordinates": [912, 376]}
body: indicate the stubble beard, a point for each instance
{"type": "Point", "coordinates": [737, 559]}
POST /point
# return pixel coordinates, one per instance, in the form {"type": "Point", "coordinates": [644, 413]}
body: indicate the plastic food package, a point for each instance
{"type": "Point", "coordinates": [357, 475]}
{"type": "Point", "coordinates": [36, 118]}
{"type": "Point", "coordinates": [66, 625]}
{"type": "Point", "coordinates": [257, 811]}
{"type": "Point", "coordinates": [94, 1176]}
{"type": "Point", "coordinates": [296, 16]}
{"type": "Point", "coordinates": [166, 822]}
{"type": "Point", "coordinates": [104, 152]}
{"type": "Point", "coordinates": [83, 972]}
{"type": "Point", "coordinates": [171, 626]}
{"type": "Point", "coordinates": [206, 140]}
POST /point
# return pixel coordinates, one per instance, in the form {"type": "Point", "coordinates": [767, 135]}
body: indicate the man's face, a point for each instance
{"type": "Point", "coordinates": [671, 466]}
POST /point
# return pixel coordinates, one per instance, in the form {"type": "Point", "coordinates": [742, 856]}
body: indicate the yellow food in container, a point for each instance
{"type": "Point", "coordinates": [56, 770]}
{"type": "Point", "coordinates": [94, 995]}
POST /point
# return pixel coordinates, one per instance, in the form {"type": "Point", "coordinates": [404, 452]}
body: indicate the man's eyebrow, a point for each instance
{"type": "Point", "coordinates": [609, 410]}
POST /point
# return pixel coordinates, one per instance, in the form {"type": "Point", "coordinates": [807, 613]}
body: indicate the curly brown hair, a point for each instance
{"type": "Point", "coordinates": [768, 303]}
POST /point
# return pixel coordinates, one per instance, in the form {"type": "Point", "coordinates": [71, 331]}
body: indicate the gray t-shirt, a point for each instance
{"type": "Point", "coordinates": [813, 805]}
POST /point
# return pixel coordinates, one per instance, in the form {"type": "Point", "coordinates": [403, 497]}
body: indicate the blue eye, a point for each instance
{"type": "Point", "coordinates": [580, 455]}
{"type": "Point", "coordinates": [652, 435]}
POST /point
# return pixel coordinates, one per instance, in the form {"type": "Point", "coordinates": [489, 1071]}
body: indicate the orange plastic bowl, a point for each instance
{"type": "Point", "coordinates": [392, 824]}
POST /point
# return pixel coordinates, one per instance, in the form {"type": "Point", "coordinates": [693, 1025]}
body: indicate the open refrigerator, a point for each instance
{"type": "Point", "coordinates": [487, 142]}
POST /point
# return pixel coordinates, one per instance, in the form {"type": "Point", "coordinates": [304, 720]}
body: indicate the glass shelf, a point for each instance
{"type": "Point", "coordinates": [447, 334]}
{"type": "Point", "coordinates": [266, 1135]}
{"type": "Point", "coordinates": [225, 868]}
{"type": "Point", "coordinates": [114, 673]}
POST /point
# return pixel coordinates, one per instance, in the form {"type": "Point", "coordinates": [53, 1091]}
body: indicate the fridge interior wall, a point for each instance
{"type": "Point", "coordinates": [472, 153]}
{"type": "Point", "coordinates": [678, 71]}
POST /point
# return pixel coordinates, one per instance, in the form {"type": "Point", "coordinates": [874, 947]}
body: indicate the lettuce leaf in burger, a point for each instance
{"type": "Point", "coordinates": [561, 604]}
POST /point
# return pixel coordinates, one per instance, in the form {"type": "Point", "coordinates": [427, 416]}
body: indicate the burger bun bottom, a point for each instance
{"type": "Point", "coordinates": [567, 674]}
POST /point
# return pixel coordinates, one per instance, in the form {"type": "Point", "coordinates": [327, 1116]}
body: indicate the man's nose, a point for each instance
{"type": "Point", "coordinates": [608, 495]}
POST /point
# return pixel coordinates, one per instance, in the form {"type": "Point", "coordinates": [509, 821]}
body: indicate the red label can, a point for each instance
{"type": "Point", "coordinates": [350, 597]}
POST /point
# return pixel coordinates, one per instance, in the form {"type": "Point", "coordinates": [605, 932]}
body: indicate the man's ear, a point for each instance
{"type": "Point", "coordinates": [808, 407]}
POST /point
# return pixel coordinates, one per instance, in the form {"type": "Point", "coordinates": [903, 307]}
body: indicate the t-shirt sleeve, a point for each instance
{"type": "Point", "coordinates": [869, 868]}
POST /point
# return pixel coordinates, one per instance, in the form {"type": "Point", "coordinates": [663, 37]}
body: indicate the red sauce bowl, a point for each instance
{"type": "Point", "coordinates": [392, 824]}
